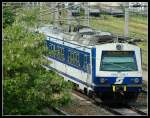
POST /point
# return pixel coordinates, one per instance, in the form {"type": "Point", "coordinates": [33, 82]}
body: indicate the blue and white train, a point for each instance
{"type": "Point", "coordinates": [96, 67]}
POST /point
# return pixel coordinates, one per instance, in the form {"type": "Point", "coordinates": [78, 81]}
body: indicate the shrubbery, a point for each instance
{"type": "Point", "coordinates": [28, 87]}
{"type": "Point", "coordinates": [8, 15]}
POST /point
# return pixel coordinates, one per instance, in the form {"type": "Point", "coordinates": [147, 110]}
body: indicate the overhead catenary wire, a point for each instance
{"type": "Point", "coordinates": [105, 5]}
{"type": "Point", "coordinates": [60, 9]}
{"type": "Point", "coordinates": [67, 19]}
{"type": "Point", "coordinates": [82, 18]}
{"type": "Point", "coordinates": [48, 9]}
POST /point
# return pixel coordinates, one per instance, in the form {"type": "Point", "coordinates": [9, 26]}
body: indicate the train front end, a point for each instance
{"type": "Point", "coordinates": [117, 68]}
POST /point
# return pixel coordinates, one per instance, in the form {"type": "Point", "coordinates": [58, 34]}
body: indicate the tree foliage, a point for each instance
{"type": "Point", "coordinates": [8, 15]}
{"type": "Point", "coordinates": [27, 86]}
{"type": "Point", "coordinates": [29, 17]}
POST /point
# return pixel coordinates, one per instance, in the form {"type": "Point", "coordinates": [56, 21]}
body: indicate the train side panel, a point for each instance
{"type": "Point", "coordinates": [76, 74]}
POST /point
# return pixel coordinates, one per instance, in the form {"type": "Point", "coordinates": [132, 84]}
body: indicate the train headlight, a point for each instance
{"type": "Point", "coordinates": [102, 80]}
{"type": "Point", "coordinates": [136, 80]}
{"type": "Point", "coordinates": [119, 47]}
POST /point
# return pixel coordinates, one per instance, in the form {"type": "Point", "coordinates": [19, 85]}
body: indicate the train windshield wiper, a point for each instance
{"type": "Point", "coordinates": [120, 65]}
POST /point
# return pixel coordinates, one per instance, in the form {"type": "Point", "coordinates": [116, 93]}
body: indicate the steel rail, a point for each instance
{"type": "Point", "coordinates": [106, 107]}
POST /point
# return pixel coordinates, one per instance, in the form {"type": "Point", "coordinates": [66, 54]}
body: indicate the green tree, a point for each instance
{"type": "Point", "coordinates": [27, 86]}
{"type": "Point", "coordinates": [8, 14]}
{"type": "Point", "coordinates": [29, 17]}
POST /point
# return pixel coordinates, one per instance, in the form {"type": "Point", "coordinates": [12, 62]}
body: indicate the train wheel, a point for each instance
{"type": "Point", "coordinates": [90, 93]}
{"type": "Point", "coordinates": [85, 91]}
{"type": "Point", "coordinates": [110, 98]}
{"type": "Point", "coordinates": [104, 96]}
{"type": "Point", "coordinates": [131, 97]}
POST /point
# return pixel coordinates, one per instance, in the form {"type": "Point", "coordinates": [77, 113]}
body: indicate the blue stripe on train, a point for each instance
{"type": "Point", "coordinates": [112, 80]}
{"type": "Point", "coordinates": [97, 88]}
{"type": "Point", "coordinates": [109, 89]}
{"type": "Point", "coordinates": [94, 65]}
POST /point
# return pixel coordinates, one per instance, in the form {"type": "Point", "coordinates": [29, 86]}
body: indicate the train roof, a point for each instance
{"type": "Point", "coordinates": [86, 36]}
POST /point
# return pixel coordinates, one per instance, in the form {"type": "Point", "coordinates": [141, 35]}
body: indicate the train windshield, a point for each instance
{"type": "Point", "coordinates": [118, 61]}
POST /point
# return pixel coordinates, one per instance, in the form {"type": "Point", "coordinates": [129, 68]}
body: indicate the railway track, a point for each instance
{"type": "Point", "coordinates": [59, 111]}
{"type": "Point", "coordinates": [136, 110]}
{"type": "Point", "coordinates": [124, 109]}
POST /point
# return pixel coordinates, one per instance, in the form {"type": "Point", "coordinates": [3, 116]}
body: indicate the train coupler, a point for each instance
{"type": "Point", "coordinates": [119, 88]}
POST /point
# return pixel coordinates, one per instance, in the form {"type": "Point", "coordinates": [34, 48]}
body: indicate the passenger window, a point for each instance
{"type": "Point", "coordinates": [85, 62]}
{"type": "Point", "coordinates": [77, 59]}
{"type": "Point", "coordinates": [58, 52]}
{"type": "Point", "coordinates": [62, 53]}
{"type": "Point", "coordinates": [50, 47]}
{"type": "Point", "coordinates": [53, 51]}
{"type": "Point", "coordinates": [73, 58]}
{"type": "Point", "coordinates": [68, 56]}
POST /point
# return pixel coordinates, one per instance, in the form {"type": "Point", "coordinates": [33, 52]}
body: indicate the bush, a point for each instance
{"type": "Point", "coordinates": [27, 87]}
{"type": "Point", "coordinates": [8, 15]}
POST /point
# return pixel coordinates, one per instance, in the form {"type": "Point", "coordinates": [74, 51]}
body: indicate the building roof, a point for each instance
{"type": "Point", "coordinates": [95, 10]}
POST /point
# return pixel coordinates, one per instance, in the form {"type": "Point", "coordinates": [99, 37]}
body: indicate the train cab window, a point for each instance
{"type": "Point", "coordinates": [118, 61]}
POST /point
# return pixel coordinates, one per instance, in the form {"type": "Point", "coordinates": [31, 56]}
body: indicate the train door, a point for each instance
{"type": "Point", "coordinates": [88, 73]}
